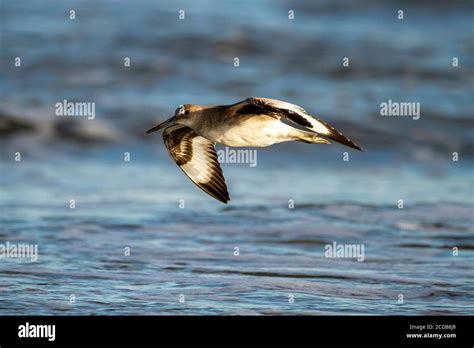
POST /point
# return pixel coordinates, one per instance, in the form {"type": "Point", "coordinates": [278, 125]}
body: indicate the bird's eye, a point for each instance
{"type": "Point", "coordinates": [186, 112]}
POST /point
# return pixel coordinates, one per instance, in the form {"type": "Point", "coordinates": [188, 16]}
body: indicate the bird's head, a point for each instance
{"type": "Point", "coordinates": [184, 115]}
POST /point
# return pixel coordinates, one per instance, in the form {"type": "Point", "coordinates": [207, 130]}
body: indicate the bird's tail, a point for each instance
{"type": "Point", "coordinates": [312, 138]}
{"type": "Point", "coordinates": [330, 132]}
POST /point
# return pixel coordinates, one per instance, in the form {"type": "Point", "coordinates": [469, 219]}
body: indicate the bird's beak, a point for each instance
{"type": "Point", "coordinates": [162, 125]}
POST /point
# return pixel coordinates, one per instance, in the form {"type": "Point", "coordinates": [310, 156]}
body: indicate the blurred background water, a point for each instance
{"type": "Point", "coordinates": [190, 250]}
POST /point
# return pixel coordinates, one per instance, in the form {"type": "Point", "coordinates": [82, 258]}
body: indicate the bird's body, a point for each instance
{"type": "Point", "coordinates": [255, 131]}
{"type": "Point", "coordinates": [190, 135]}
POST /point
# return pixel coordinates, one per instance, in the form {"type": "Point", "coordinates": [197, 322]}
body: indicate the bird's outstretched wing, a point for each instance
{"type": "Point", "coordinates": [294, 113]}
{"type": "Point", "coordinates": [196, 156]}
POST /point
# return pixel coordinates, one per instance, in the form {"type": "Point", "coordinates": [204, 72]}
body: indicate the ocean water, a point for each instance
{"type": "Point", "coordinates": [264, 253]}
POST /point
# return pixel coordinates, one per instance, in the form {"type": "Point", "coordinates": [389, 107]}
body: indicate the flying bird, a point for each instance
{"type": "Point", "coordinates": [191, 134]}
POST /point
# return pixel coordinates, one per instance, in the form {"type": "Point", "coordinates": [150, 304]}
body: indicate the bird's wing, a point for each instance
{"type": "Point", "coordinates": [196, 156]}
{"type": "Point", "coordinates": [292, 112]}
